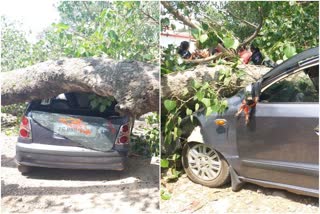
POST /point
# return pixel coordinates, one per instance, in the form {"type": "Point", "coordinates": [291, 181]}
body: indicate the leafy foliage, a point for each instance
{"type": "Point", "coordinates": [288, 27]}
{"type": "Point", "coordinates": [148, 144]}
{"type": "Point", "coordinates": [165, 194]}
{"type": "Point", "coordinates": [101, 103]}
{"type": "Point", "coordinates": [175, 110]}
{"type": "Point", "coordinates": [119, 30]}
{"type": "Point", "coordinates": [171, 169]}
{"type": "Point", "coordinates": [15, 48]}
{"type": "Point", "coordinates": [152, 134]}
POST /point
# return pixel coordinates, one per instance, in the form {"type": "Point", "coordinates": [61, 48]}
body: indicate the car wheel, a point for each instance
{"type": "Point", "coordinates": [205, 165]}
{"type": "Point", "coordinates": [24, 169]}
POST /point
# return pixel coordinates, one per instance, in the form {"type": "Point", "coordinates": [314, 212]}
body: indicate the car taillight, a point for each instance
{"type": "Point", "coordinates": [24, 121]}
{"type": "Point", "coordinates": [123, 139]}
{"type": "Point", "coordinates": [25, 128]}
{"type": "Point", "coordinates": [24, 133]}
{"type": "Point", "coordinates": [125, 128]}
{"type": "Point", "coordinates": [124, 135]}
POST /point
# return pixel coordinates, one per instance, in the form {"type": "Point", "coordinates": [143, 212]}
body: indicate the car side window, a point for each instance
{"type": "Point", "coordinates": [302, 86]}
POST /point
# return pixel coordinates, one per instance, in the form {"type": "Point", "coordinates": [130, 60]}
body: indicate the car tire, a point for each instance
{"type": "Point", "coordinates": [207, 167]}
{"type": "Point", "coordinates": [24, 169]}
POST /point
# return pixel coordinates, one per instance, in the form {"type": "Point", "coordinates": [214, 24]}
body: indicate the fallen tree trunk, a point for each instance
{"type": "Point", "coordinates": [174, 83]}
{"type": "Point", "coordinates": [135, 85]}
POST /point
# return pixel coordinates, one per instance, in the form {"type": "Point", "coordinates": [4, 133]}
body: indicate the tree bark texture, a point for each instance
{"type": "Point", "coordinates": [174, 83]}
{"type": "Point", "coordinates": [135, 85]}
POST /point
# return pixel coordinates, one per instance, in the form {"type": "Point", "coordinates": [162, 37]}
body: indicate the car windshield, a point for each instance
{"type": "Point", "coordinates": [91, 132]}
{"type": "Point", "coordinates": [71, 116]}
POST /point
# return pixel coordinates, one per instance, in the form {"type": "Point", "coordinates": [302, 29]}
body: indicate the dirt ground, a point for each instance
{"type": "Point", "coordinates": [135, 190]}
{"type": "Point", "coordinates": [188, 197]}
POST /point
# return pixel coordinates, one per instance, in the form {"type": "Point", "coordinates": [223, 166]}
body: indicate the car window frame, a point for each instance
{"type": "Point", "coordinates": [283, 76]}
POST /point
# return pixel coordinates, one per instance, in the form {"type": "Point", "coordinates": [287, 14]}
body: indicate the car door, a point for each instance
{"type": "Point", "coordinates": [281, 142]}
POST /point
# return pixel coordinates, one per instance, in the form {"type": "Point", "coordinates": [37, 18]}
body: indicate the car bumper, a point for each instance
{"type": "Point", "coordinates": [51, 156]}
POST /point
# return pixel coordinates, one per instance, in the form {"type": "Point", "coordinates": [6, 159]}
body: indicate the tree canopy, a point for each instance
{"type": "Point", "coordinates": [286, 28]}
{"type": "Point", "coordinates": [117, 30]}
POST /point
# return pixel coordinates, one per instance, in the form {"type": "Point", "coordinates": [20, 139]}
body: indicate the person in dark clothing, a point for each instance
{"type": "Point", "coordinates": [256, 57]}
{"type": "Point", "coordinates": [184, 50]}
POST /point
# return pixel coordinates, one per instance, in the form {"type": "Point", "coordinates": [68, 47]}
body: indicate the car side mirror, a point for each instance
{"type": "Point", "coordinates": [252, 91]}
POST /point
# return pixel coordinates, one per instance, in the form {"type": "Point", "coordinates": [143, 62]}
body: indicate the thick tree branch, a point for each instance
{"type": "Point", "coordinates": [135, 85]}
{"type": "Point", "coordinates": [242, 20]}
{"type": "Point", "coordinates": [213, 57]}
{"type": "Point", "coordinates": [255, 33]}
{"type": "Point", "coordinates": [149, 16]}
{"type": "Point", "coordinates": [177, 15]}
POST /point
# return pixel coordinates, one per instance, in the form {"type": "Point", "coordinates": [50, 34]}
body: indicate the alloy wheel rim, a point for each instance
{"type": "Point", "coordinates": [204, 162]}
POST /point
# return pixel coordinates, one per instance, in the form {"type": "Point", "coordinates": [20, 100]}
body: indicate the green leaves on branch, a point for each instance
{"type": "Point", "coordinates": [206, 102]}
{"type": "Point", "coordinates": [165, 22]}
{"type": "Point", "coordinates": [171, 61]}
{"type": "Point", "coordinates": [203, 38]}
{"type": "Point", "coordinates": [118, 30]}
{"type": "Point", "coordinates": [230, 42]}
{"type": "Point", "coordinates": [170, 105]}
{"type": "Point", "coordinates": [208, 99]}
{"type": "Point", "coordinates": [283, 50]}
{"type": "Point", "coordinates": [164, 163]}
{"type": "Point", "coordinates": [289, 50]}
{"type": "Point", "coordinates": [170, 167]}
{"type": "Point", "coordinates": [289, 29]}
{"type": "Point", "coordinates": [199, 35]}
{"type": "Point", "coordinates": [225, 76]}
{"type": "Point", "coordinates": [147, 144]}
{"type": "Point", "coordinates": [113, 35]}
{"type": "Point", "coordinates": [188, 111]}
{"type": "Point", "coordinates": [165, 194]}
{"type": "Point", "coordinates": [205, 98]}
{"type": "Point", "coordinates": [60, 27]}
{"type": "Point", "coordinates": [100, 103]}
